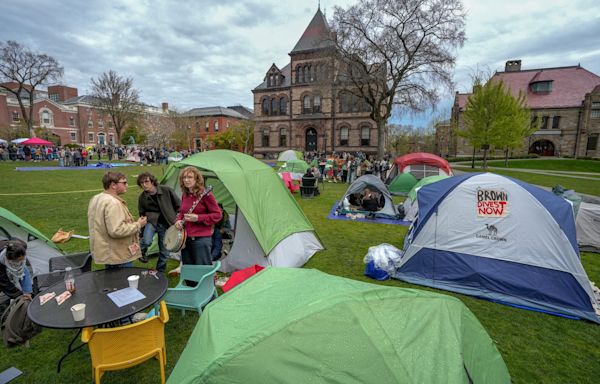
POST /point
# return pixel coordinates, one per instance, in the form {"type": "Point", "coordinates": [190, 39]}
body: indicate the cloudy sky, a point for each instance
{"type": "Point", "coordinates": [196, 53]}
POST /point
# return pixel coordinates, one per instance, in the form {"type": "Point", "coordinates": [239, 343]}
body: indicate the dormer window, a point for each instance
{"type": "Point", "coordinates": [541, 86]}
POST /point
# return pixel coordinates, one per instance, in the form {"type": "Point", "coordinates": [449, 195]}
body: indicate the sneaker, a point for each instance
{"type": "Point", "coordinates": [144, 259]}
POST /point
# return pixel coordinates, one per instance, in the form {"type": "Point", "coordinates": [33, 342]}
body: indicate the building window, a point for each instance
{"type": "Point", "coordinates": [101, 139]}
{"type": "Point", "coordinates": [274, 106]}
{"type": "Point", "coordinates": [72, 121]}
{"type": "Point", "coordinates": [592, 142]}
{"type": "Point", "coordinates": [206, 125]}
{"type": "Point", "coordinates": [54, 97]}
{"type": "Point", "coordinates": [595, 110]}
{"type": "Point", "coordinates": [534, 121]}
{"type": "Point", "coordinates": [73, 136]}
{"type": "Point", "coordinates": [544, 122]}
{"type": "Point", "coordinates": [345, 101]}
{"type": "Point", "coordinates": [265, 137]}
{"type": "Point", "coordinates": [111, 139]}
{"type": "Point", "coordinates": [110, 124]}
{"type": "Point", "coordinates": [306, 104]}
{"type": "Point", "coordinates": [100, 124]}
{"type": "Point", "coordinates": [365, 134]}
{"type": "Point", "coordinates": [265, 107]}
{"type": "Point", "coordinates": [344, 136]}
{"type": "Point", "coordinates": [300, 72]}
{"type": "Point", "coordinates": [282, 106]}
{"type": "Point", "coordinates": [541, 86]}
{"type": "Point", "coordinates": [555, 122]}
{"type": "Point", "coordinates": [90, 123]}
{"type": "Point", "coordinates": [15, 116]}
{"type": "Point", "coordinates": [197, 125]}
{"type": "Point", "coordinates": [90, 137]}
{"type": "Point", "coordinates": [45, 117]}
{"type": "Point", "coordinates": [216, 126]}
{"type": "Point", "coordinates": [317, 104]}
{"type": "Point", "coordinates": [283, 137]}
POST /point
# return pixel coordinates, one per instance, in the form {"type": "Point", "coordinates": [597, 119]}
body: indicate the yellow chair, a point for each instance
{"type": "Point", "coordinates": [123, 347]}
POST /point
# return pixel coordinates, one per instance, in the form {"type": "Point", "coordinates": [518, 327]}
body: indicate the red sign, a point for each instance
{"type": "Point", "coordinates": [492, 203]}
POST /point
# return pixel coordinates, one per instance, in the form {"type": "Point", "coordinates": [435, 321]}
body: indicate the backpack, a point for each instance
{"type": "Point", "coordinates": [16, 327]}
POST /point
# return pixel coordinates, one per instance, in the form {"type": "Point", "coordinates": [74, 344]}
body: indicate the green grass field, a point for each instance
{"type": "Point", "coordinates": [571, 165]}
{"type": "Point", "coordinates": [537, 348]}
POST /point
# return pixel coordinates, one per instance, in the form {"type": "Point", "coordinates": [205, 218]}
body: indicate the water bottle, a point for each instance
{"type": "Point", "coordinates": [69, 280]}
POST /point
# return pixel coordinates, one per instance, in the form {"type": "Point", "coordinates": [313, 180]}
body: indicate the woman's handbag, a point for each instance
{"type": "Point", "coordinates": [175, 238]}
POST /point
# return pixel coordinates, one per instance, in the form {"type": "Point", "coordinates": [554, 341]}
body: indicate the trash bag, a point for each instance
{"type": "Point", "coordinates": [384, 257]}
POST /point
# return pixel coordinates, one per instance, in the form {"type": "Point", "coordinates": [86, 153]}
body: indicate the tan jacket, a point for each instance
{"type": "Point", "coordinates": [112, 230]}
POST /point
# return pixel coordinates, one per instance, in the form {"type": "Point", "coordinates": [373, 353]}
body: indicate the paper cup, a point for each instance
{"type": "Point", "coordinates": [133, 281]}
{"type": "Point", "coordinates": [78, 311]}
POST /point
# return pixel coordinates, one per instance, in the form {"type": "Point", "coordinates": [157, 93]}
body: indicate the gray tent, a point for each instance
{"type": "Point", "coordinates": [375, 184]}
{"type": "Point", "coordinates": [588, 227]}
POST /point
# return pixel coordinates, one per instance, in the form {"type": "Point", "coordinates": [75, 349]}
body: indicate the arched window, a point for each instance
{"type": "Point", "coordinates": [306, 71]}
{"type": "Point", "coordinates": [301, 75]}
{"type": "Point", "coordinates": [365, 135]}
{"type": "Point", "coordinates": [283, 106]}
{"type": "Point", "coordinates": [265, 137]}
{"type": "Point", "coordinates": [216, 126]}
{"type": "Point", "coordinates": [283, 137]}
{"type": "Point", "coordinates": [297, 74]}
{"type": "Point", "coordinates": [344, 136]}
{"type": "Point", "coordinates": [46, 117]}
{"type": "Point", "coordinates": [274, 106]}
{"type": "Point", "coordinates": [265, 107]}
{"type": "Point", "coordinates": [317, 104]}
{"type": "Point", "coordinates": [306, 104]}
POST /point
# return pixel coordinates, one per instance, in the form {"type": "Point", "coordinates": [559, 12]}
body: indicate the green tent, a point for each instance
{"type": "Point", "coordinates": [289, 325]}
{"type": "Point", "coordinates": [412, 195]}
{"type": "Point", "coordinates": [290, 155]}
{"type": "Point", "coordinates": [294, 166]}
{"type": "Point", "coordinates": [270, 227]}
{"type": "Point", "coordinates": [175, 156]}
{"type": "Point", "coordinates": [402, 184]}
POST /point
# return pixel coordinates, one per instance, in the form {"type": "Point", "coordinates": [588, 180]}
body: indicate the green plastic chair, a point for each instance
{"type": "Point", "coordinates": [193, 298]}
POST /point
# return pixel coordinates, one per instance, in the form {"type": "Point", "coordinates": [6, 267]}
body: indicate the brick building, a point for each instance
{"type": "Point", "coordinates": [567, 99]}
{"type": "Point", "coordinates": [69, 117]}
{"type": "Point", "coordinates": [301, 107]}
{"type": "Point", "coordinates": [210, 120]}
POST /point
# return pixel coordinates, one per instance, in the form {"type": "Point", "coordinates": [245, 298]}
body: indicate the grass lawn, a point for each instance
{"type": "Point", "coordinates": [572, 165]}
{"type": "Point", "coordinates": [536, 347]}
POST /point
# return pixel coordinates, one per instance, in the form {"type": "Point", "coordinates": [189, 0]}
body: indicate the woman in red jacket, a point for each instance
{"type": "Point", "coordinates": [199, 223]}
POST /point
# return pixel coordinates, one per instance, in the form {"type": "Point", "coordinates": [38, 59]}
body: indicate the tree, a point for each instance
{"type": "Point", "coordinates": [181, 130]}
{"type": "Point", "coordinates": [494, 118]}
{"type": "Point", "coordinates": [397, 53]}
{"type": "Point", "coordinates": [116, 97]}
{"type": "Point", "coordinates": [22, 71]}
{"type": "Point", "coordinates": [134, 132]}
{"type": "Point", "coordinates": [243, 133]}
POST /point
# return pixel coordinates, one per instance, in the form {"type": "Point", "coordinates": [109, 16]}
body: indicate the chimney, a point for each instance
{"type": "Point", "coordinates": [512, 66]}
{"type": "Point", "coordinates": [165, 106]}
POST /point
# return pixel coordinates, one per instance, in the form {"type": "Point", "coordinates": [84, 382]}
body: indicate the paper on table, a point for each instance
{"type": "Point", "coordinates": [126, 296]}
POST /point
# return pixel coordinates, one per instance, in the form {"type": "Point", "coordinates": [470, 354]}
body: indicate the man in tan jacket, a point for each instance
{"type": "Point", "coordinates": [114, 234]}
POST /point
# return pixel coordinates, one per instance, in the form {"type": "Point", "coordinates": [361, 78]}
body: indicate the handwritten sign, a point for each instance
{"type": "Point", "coordinates": [492, 203]}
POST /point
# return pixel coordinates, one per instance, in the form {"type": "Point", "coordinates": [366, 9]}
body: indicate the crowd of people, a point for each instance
{"type": "Point", "coordinates": [345, 167]}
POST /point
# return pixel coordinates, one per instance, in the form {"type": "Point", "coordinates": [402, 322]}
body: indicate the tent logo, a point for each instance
{"type": "Point", "coordinates": [492, 234]}
{"type": "Point", "coordinates": [492, 203]}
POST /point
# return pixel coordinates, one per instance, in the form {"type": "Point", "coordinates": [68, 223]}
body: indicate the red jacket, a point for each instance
{"type": "Point", "coordinates": [208, 212]}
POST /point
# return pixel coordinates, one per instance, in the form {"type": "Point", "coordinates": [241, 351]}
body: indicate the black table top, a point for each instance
{"type": "Point", "coordinates": [92, 289]}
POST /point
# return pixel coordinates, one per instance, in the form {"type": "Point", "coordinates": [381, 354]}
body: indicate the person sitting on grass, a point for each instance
{"type": "Point", "coordinates": [370, 201]}
{"type": "Point", "coordinates": [15, 279]}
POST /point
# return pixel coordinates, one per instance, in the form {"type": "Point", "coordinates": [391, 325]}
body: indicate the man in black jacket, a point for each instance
{"type": "Point", "coordinates": [160, 205]}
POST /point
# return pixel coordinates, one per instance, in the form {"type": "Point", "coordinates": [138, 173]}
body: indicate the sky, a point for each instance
{"type": "Point", "coordinates": [200, 53]}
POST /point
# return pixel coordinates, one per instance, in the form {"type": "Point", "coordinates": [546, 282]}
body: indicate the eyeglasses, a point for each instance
{"type": "Point", "coordinates": [121, 182]}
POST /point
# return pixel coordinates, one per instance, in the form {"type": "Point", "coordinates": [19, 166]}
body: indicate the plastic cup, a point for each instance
{"type": "Point", "coordinates": [78, 311]}
{"type": "Point", "coordinates": [133, 281]}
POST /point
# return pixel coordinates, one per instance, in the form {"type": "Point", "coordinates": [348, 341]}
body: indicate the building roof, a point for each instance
{"type": "Point", "coordinates": [316, 36]}
{"type": "Point", "coordinates": [248, 112]}
{"type": "Point", "coordinates": [286, 72]}
{"type": "Point", "coordinates": [569, 85]}
{"type": "Point", "coordinates": [214, 111]}
{"type": "Point", "coordinates": [83, 99]}
{"type": "Point", "coordinates": [462, 100]}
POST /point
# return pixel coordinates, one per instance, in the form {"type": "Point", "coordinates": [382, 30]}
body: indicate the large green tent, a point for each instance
{"type": "Point", "coordinates": [294, 166]}
{"type": "Point", "coordinates": [402, 184]}
{"type": "Point", "coordinates": [288, 325]}
{"type": "Point", "coordinates": [270, 227]}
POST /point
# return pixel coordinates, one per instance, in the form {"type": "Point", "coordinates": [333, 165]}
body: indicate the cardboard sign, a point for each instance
{"type": "Point", "coordinates": [492, 203]}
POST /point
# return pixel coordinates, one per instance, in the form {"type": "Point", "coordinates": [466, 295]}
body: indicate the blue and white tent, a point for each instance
{"type": "Point", "coordinates": [499, 238]}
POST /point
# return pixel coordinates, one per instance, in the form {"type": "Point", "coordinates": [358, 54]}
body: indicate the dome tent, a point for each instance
{"type": "Point", "coordinates": [290, 155]}
{"type": "Point", "coordinates": [420, 164]}
{"type": "Point", "coordinates": [373, 182]}
{"type": "Point", "coordinates": [402, 184]}
{"type": "Point", "coordinates": [411, 207]}
{"type": "Point", "coordinates": [270, 227]}
{"type": "Point", "coordinates": [289, 325]}
{"type": "Point", "coordinates": [501, 239]}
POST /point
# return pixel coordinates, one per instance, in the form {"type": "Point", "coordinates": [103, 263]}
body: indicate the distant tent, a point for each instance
{"type": "Point", "coordinates": [373, 182]}
{"type": "Point", "coordinates": [290, 155]}
{"type": "Point", "coordinates": [420, 164]}
{"type": "Point", "coordinates": [298, 325]}
{"type": "Point", "coordinates": [175, 156]}
{"type": "Point", "coordinates": [296, 167]}
{"type": "Point", "coordinates": [402, 184]}
{"type": "Point", "coordinates": [270, 228]}
{"type": "Point", "coordinates": [411, 206]}
{"type": "Point", "coordinates": [39, 248]}
{"type": "Point", "coordinates": [498, 238]}
{"type": "Point", "coordinates": [588, 227]}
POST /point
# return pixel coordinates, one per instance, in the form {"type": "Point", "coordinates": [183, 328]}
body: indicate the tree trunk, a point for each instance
{"type": "Point", "coordinates": [380, 139]}
{"type": "Point", "coordinates": [485, 159]}
{"type": "Point", "coordinates": [506, 157]}
{"type": "Point", "coordinates": [473, 159]}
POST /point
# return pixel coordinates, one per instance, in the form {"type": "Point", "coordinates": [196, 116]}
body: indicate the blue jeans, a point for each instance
{"type": "Point", "coordinates": [117, 266]}
{"type": "Point", "coordinates": [217, 245]}
{"type": "Point", "coordinates": [149, 231]}
{"type": "Point", "coordinates": [26, 282]}
{"type": "Point", "coordinates": [197, 251]}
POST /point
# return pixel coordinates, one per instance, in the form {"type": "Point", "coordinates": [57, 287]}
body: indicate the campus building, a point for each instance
{"type": "Point", "coordinates": [207, 121]}
{"type": "Point", "coordinates": [302, 107]}
{"type": "Point", "coordinates": [69, 117]}
{"type": "Point", "coordinates": [566, 99]}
